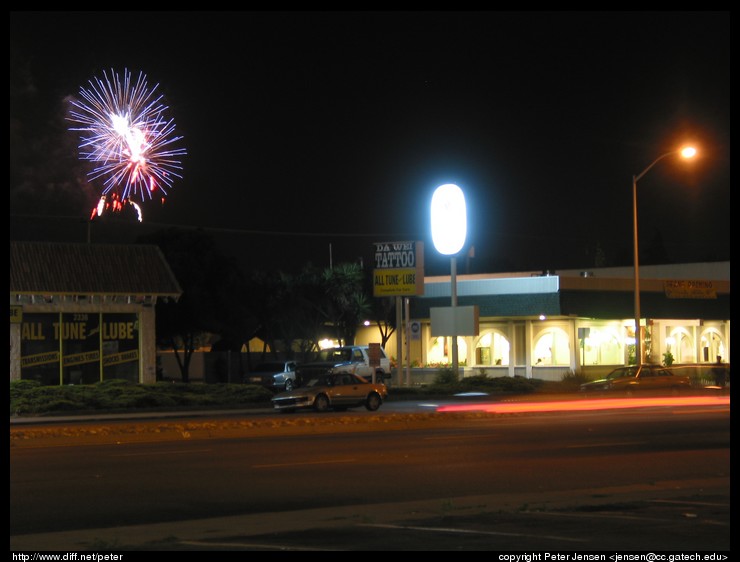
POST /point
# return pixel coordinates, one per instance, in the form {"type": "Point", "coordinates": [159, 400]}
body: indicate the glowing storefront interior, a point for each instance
{"type": "Point", "coordinates": [543, 326]}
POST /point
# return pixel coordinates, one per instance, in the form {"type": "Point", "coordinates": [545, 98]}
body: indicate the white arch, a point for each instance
{"type": "Point", "coordinates": [440, 353]}
{"type": "Point", "coordinates": [682, 348]}
{"type": "Point", "coordinates": [603, 346]}
{"type": "Point", "coordinates": [712, 345]}
{"type": "Point", "coordinates": [492, 347]}
{"type": "Point", "coordinates": [552, 347]}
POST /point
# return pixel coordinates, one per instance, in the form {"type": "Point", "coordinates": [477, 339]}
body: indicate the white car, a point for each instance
{"type": "Point", "coordinates": [332, 391]}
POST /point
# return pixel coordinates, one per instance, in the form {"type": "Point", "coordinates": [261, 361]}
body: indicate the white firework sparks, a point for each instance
{"type": "Point", "coordinates": [125, 133]}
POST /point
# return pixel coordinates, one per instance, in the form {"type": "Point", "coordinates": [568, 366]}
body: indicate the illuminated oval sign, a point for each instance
{"type": "Point", "coordinates": [449, 219]}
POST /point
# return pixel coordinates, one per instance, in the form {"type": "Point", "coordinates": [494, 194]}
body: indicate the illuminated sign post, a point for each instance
{"type": "Point", "coordinates": [399, 269]}
{"type": "Point", "coordinates": [449, 229]}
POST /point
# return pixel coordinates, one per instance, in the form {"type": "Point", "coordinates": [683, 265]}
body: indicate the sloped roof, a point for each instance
{"type": "Point", "coordinates": [56, 268]}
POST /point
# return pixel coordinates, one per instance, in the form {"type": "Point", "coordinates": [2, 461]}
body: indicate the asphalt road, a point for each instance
{"type": "Point", "coordinates": [654, 477]}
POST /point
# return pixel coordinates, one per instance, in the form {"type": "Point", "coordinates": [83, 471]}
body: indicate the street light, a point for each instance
{"type": "Point", "coordinates": [449, 229]}
{"type": "Point", "coordinates": [687, 152]}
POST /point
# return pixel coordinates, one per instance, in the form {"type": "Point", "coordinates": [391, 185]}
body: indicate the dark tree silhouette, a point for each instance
{"type": "Point", "coordinates": [346, 302]}
{"type": "Point", "coordinates": [212, 301]}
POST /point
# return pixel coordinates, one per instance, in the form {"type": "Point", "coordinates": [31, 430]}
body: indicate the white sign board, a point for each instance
{"type": "Point", "coordinates": [455, 321]}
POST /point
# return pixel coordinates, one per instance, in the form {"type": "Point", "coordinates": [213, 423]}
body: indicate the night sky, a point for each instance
{"type": "Point", "coordinates": [311, 135]}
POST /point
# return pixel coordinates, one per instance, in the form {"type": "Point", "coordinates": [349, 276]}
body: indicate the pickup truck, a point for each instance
{"type": "Point", "coordinates": [346, 359]}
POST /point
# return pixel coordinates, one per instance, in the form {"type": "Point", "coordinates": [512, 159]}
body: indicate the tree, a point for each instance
{"type": "Point", "coordinates": [289, 309]}
{"type": "Point", "coordinates": [382, 312]}
{"type": "Point", "coordinates": [211, 302]}
{"type": "Point", "coordinates": [309, 309]}
{"type": "Point", "coordinates": [346, 302]}
{"type": "Point", "coordinates": [262, 291]}
{"type": "Point", "coordinates": [295, 311]}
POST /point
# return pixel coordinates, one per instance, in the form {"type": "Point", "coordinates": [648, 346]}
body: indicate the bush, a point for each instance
{"type": "Point", "coordinates": [516, 384]}
{"type": "Point", "coordinates": [402, 392]}
{"type": "Point", "coordinates": [19, 389]}
{"type": "Point", "coordinates": [446, 383]}
{"type": "Point", "coordinates": [573, 381]}
{"type": "Point", "coordinates": [446, 376]}
{"type": "Point", "coordinates": [30, 397]}
{"type": "Point", "coordinates": [58, 405]}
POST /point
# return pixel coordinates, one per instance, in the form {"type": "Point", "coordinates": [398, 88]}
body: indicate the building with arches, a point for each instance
{"type": "Point", "coordinates": [546, 324]}
{"type": "Point", "coordinates": [82, 313]}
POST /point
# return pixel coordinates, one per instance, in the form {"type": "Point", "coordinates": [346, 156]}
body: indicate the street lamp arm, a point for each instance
{"type": "Point", "coordinates": [637, 178]}
{"type": "Point", "coordinates": [687, 152]}
{"type": "Point", "coordinates": [638, 329]}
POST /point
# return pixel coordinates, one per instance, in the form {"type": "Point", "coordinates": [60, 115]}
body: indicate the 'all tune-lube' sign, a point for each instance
{"type": "Point", "coordinates": [399, 269]}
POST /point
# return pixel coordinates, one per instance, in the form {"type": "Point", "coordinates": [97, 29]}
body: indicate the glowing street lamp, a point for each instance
{"type": "Point", "coordinates": [449, 229]}
{"type": "Point", "coordinates": [687, 153]}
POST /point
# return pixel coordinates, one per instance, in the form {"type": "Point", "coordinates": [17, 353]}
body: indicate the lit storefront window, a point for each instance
{"type": "Point", "coordinates": [80, 348]}
{"type": "Point", "coordinates": [602, 347]}
{"type": "Point", "coordinates": [711, 346]}
{"type": "Point", "coordinates": [492, 348]}
{"type": "Point", "coordinates": [440, 351]}
{"type": "Point", "coordinates": [551, 348]}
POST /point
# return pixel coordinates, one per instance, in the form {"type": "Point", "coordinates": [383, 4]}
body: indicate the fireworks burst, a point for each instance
{"type": "Point", "coordinates": [125, 133]}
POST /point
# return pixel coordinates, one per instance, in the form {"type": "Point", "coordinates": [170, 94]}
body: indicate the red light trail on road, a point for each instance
{"type": "Point", "coordinates": [587, 404]}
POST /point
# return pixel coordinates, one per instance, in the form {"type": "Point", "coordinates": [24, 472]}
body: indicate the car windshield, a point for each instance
{"type": "Point", "coordinates": [336, 355]}
{"type": "Point", "coordinates": [621, 373]}
{"type": "Point", "coordinates": [318, 381]}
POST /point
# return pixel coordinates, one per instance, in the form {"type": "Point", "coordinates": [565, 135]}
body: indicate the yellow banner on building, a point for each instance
{"type": "Point", "coordinates": [388, 282]}
{"type": "Point", "coordinates": [692, 289]}
{"type": "Point", "coordinates": [118, 358]}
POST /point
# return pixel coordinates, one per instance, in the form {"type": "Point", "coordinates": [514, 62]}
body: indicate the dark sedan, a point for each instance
{"type": "Point", "coordinates": [639, 378]}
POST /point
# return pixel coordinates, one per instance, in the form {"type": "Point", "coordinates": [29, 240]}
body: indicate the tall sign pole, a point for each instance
{"type": "Point", "coordinates": [399, 272]}
{"type": "Point", "coordinates": [407, 326]}
{"type": "Point", "coordinates": [449, 230]}
{"type": "Point", "coordinates": [399, 340]}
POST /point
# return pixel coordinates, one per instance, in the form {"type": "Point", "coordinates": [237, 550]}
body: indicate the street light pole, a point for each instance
{"type": "Point", "coordinates": [453, 293]}
{"type": "Point", "coordinates": [449, 229]}
{"type": "Point", "coordinates": [688, 152]}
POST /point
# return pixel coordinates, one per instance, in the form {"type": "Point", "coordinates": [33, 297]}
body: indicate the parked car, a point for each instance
{"type": "Point", "coordinates": [276, 375]}
{"type": "Point", "coordinates": [337, 391]}
{"type": "Point", "coordinates": [639, 378]}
